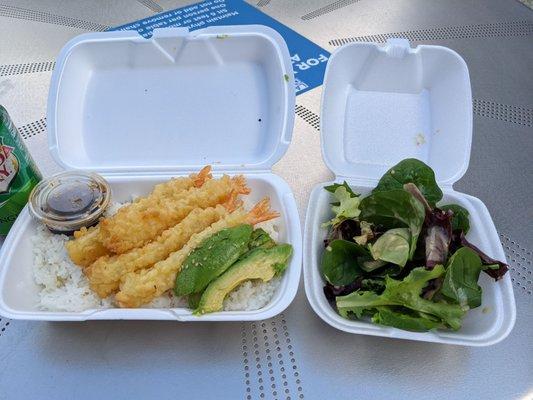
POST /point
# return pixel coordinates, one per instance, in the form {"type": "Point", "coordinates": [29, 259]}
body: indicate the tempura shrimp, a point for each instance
{"type": "Point", "coordinates": [138, 288]}
{"type": "Point", "coordinates": [105, 273]}
{"type": "Point", "coordinates": [87, 245]}
{"type": "Point", "coordinates": [133, 228]}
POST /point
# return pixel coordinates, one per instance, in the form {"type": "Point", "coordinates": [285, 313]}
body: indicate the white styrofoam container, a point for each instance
{"type": "Point", "coordinates": [140, 111]}
{"type": "Point", "coordinates": [381, 104]}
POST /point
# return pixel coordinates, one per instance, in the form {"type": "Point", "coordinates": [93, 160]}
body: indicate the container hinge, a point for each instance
{"type": "Point", "coordinates": [397, 48]}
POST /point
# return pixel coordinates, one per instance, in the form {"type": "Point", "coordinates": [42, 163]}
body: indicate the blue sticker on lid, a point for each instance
{"type": "Point", "coordinates": [308, 59]}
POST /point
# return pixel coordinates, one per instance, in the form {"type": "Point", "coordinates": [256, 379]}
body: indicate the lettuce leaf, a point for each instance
{"type": "Point", "coordinates": [395, 209]}
{"type": "Point", "coordinates": [346, 206]}
{"type": "Point", "coordinates": [404, 293]}
{"type": "Point", "coordinates": [335, 186]}
{"type": "Point", "coordinates": [365, 233]}
{"type": "Point", "coordinates": [392, 246]}
{"type": "Point", "coordinates": [403, 319]}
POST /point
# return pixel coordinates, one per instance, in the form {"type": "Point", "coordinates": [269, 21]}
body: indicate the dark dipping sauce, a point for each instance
{"type": "Point", "coordinates": [74, 198]}
{"type": "Point", "coordinates": [69, 201]}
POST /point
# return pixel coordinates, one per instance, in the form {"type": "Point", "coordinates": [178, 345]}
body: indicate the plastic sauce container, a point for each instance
{"type": "Point", "coordinates": [69, 201]}
{"type": "Point", "coordinates": [18, 173]}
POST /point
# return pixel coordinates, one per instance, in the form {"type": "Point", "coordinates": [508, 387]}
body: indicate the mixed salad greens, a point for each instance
{"type": "Point", "coordinates": [400, 259]}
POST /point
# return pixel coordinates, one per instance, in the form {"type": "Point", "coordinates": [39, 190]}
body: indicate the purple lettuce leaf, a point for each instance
{"type": "Point", "coordinates": [438, 236]}
{"type": "Point", "coordinates": [346, 230]}
{"type": "Point", "coordinates": [495, 273]}
{"type": "Point", "coordinates": [331, 291]}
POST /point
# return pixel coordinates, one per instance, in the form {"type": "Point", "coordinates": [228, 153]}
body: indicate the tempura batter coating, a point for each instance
{"type": "Point", "coordinates": [105, 273]}
{"type": "Point", "coordinates": [138, 288]}
{"type": "Point", "coordinates": [176, 185]}
{"type": "Point", "coordinates": [132, 227]}
{"type": "Point", "coordinates": [87, 245]}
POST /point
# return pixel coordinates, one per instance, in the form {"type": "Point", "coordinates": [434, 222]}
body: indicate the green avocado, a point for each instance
{"type": "Point", "coordinates": [260, 239]}
{"type": "Point", "coordinates": [194, 299]}
{"type": "Point", "coordinates": [214, 256]}
{"type": "Point", "coordinates": [260, 263]}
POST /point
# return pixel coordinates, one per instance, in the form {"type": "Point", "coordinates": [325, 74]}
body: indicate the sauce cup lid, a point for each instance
{"type": "Point", "coordinates": [68, 201]}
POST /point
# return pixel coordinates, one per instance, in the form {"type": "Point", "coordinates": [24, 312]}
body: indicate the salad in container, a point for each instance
{"type": "Point", "coordinates": [391, 248]}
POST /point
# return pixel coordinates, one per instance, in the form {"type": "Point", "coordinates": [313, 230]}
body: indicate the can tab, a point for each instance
{"type": "Point", "coordinates": [397, 48]}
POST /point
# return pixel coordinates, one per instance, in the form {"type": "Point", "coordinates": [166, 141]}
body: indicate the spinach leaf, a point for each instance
{"type": "Point", "coordinates": [462, 274]}
{"type": "Point", "coordinates": [459, 239]}
{"type": "Point", "coordinates": [395, 209]}
{"type": "Point", "coordinates": [346, 207]}
{"type": "Point", "coordinates": [339, 262]}
{"type": "Point", "coordinates": [403, 319]}
{"type": "Point", "coordinates": [405, 293]}
{"type": "Point", "coordinates": [460, 219]}
{"type": "Point", "coordinates": [414, 171]}
{"type": "Point", "coordinates": [392, 246]}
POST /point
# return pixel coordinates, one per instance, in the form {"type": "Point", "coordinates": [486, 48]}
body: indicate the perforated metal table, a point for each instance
{"type": "Point", "coordinates": [295, 355]}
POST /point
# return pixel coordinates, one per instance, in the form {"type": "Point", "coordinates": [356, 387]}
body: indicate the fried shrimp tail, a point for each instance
{"type": "Point", "coordinates": [203, 175]}
{"type": "Point", "coordinates": [239, 184]}
{"type": "Point", "coordinates": [261, 212]}
{"type": "Point", "coordinates": [233, 202]}
{"type": "Point", "coordinates": [105, 273]}
{"type": "Point", "coordinates": [134, 227]}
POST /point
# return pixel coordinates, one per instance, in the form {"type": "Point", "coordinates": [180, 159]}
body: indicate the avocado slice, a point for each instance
{"type": "Point", "coordinates": [194, 300]}
{"type": "Point", "coordinates": [260, 263]}
{"type": "Point", "coordinates": [214, 256]}
{"type": "Point", "coordinates": [261, 239]}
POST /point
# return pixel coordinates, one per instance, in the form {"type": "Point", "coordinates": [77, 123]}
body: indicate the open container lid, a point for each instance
{"type": "Point", "coordinates": [121, 103]}
{"type": "Point", "coordinates": [382, 104]}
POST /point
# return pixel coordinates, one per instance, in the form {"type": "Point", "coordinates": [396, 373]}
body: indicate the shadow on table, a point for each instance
{"type": "Point", "coordinates": [132, 343]}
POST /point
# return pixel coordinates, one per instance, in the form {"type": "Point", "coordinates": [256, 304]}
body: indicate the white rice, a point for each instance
{"type": "Point", "coordinates": [251, 295]}
{"type": "Point", "coordinates": [64, 287]}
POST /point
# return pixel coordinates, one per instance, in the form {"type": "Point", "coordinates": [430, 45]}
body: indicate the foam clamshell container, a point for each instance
{"type": "Point", "coordinates": [381, 104]}
{"type": "Point", "coordinates": [140, 111]}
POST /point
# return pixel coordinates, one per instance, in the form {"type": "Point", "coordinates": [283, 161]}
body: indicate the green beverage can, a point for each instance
{"type": "Point", "coordinates": [18, 173]}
